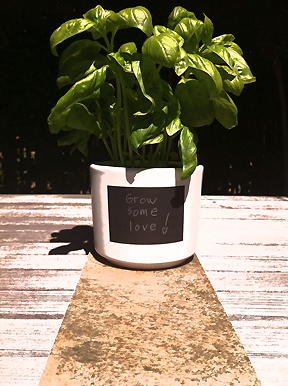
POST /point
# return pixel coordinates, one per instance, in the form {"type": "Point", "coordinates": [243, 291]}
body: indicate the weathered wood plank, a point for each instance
{"type": "Point", "coordinates": [245, 240]}
{"type": "Point", "coordinates": [30, 304]}
{"type": "Point", "coordinates": [254, 200]}
{"type": "Point", "coordinates": [245, 263]}
{"type": "Point", "coordinates": [22, 371]}
{"type": "Point", "coordinates": [249, 281]}
{"type": "Point", "coordinates": [75, 230]}
{"type": "Point", "coordinates": [75, 260]}
{"type": "Point", "coordinates": [35, 249]}
{"type": "Point", "coordinates": [236, 231]}
{"type": "Point", "coordinates": [215, 250]}
{"type": "Point", "coordinates": [267, 305]}
{"type": "Point", "coordinates": [205, 247]}
{"type": "Point", "coordinates": [273, 371]}
{"type": "Point", "coordinates": [45, 198]}
{"type": "Point", "coordinates": [39, 279]}
{"type": "Point", "coordinates": [240, 239]}
{"type": "Point", "coordinates": [23, 337]}
{"type": "Point", "coordinates": [30, 319]}
{"type": "Point", "coordinates": [275, 332]}
{"type": "Point", "coordinates": [250, 213]}
{"type": "Point", "coordinates": [52, 215]}
{"type": "Point", "coordinates": [72, 198]}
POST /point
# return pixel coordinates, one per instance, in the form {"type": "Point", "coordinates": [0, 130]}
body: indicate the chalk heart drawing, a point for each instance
{"type": "Point", "coordinates": [164, 230]}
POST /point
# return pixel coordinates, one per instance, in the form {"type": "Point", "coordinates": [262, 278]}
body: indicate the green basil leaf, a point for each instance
{"type": "Point", "coordinates": [141, 136]}
{"type": "Point", "coordinates": [163, 49]}
{"type": "Point", "coordinates": [196, 107]}
{"type": "Point", "coordinates": [147, 127]}
{"type": "Point", "coordinates": [231, 83]}
{"type": "Point", "coordinates": [235, 86]}
{"type": "Point", "coordinates": [80, 118]}
{"type": "Point", "coordinates": [137, 17]}
{"type": "Point", "coordinates": [174, 127]}
{"type": "Point", "coordinates": [78, 138]}
{"type": "Point", "coordinates": [225, 72]}
{"type": "Point", "coordinates": [241, 67]}
{"type": "Point", "coordinates": [223, 39]}
{"type": "Point", "coordinates": [120, 59]}
{"type": "Point", "coordinates": [67, 30]}
{"type": "Point", "coordinates": [218, 54]}
{"type": "Point", "coordinates": [154, 141]}
{"type": "Point", "coordinates": [188, 26]}
{"type": "Point", "coordinates": [100, 18]}
{"type": "Point", "coordinates": [206, 73]}
{"type": "Point", "coordinates": [128, 48]}
{"type": "Point", "coordinates": [81, 90]}
{"type": "Point", "coordinates": [80, 49]}
{"type": "Point", "coordinates": [172, 106]}
{"type": "Point", "coordinates": [75, 73]}
{"type": "Point", "coordinates": [149, 81]}
{"type": "Point", "coordinates": [207, 31]}
{"type": "Point", "coordinates": [57, 121]}
{"type": "Point", "coordinates": [188, 152]}
{"type": "Point", "coordinates": [234, 47]}
{"type": "Point", "coordinates": [79, 60]}
{"type": "Point", "coordinates": [226, 111]}
{"type": "Point", "coordinates": [106, 90]}
{"type": "Point", "coordinates": [191, 31]}
{"type": "Point", "coordinates": [177, 15]}
{"type": "Point", "coordinates": [182, 63]}
{"type": "Point", "coordinates": [159, 29]}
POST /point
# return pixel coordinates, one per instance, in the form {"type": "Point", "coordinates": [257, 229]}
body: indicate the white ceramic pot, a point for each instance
{"type": "Point", "coordinates": [145, 218]}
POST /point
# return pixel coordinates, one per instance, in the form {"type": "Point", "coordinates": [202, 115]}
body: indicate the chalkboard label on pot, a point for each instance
{"type": "Point", "coordinates": [146, 215]}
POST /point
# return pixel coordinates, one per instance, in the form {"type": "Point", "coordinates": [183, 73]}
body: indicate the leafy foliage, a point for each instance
{"type": "Point", "coordinates": [120, 96]}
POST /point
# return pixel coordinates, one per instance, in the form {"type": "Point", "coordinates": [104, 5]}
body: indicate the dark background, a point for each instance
{"type": "Point", "coordinates": [251, 159]}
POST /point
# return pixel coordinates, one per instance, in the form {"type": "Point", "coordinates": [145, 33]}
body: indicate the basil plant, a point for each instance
{"type": "Point", "coordinates": [121, 96]}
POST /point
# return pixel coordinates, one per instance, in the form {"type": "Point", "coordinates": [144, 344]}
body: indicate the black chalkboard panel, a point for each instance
{"type": "Point", "coordinates": [146, 215]}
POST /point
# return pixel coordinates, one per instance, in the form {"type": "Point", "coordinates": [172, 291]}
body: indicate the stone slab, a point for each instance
{"type": "Point", "coordinates": [146, 328]}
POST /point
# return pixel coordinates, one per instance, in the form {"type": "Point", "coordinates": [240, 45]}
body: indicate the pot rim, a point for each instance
{"type": "Point", "coordinates": [105, 165]}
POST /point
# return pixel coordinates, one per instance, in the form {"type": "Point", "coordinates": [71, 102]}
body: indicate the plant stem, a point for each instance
{"type": "Point", "coordinates": [118, 121]}
{"type": "Point", "coordinates": [168, 150]}
{"type": "Point", "coordinates": [112, 39]}
{"type": "Point", "coordinates": [114, 149]}
{"type": "Point", "coordinates": [108, 149]}
{"type": "Point", "coordinates": [104, 48]}
{"type": "Point", "coordinates": [164, 147]}
{"type": "Point", "coordinates": [143, 156]}
{"type": "Point", "coordinates": [156, 153]}
{"type": "Point", "coordinates": [159, 68]}
{"type": "Point", "coordinates": [112, 153]}
{"type": "Point", "coordinates": [126, 120]}
{"type": "Point", "coordinates": [108, 44]}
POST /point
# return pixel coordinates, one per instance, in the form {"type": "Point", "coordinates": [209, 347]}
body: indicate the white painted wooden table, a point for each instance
{"type": "Point", "coordinates": [243, 247]}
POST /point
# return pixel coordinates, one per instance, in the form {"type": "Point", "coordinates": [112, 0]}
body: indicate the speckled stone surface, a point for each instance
{"type": "Point", "coordinates": [146, 328]}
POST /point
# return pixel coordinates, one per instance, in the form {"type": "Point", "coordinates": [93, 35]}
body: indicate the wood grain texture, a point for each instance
{"type": "Point", "coordinates": [243, 247]}
{"type": "Point", "coordinates": [44, 240]}
{"type": "Point", "coordinates": [41, 259]}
